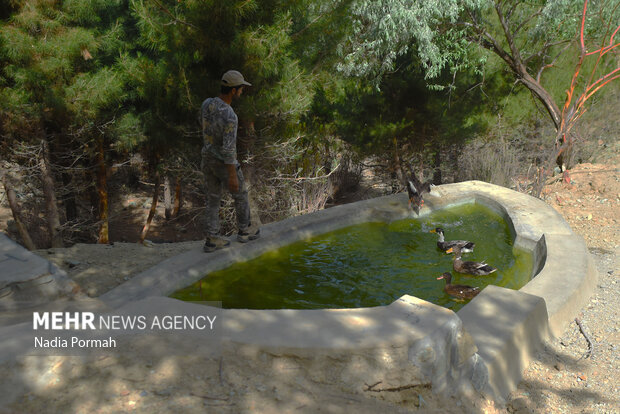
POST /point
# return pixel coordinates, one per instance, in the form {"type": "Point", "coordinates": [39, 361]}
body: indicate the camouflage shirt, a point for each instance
{"type": "Point", "coordinates": [219, 130]}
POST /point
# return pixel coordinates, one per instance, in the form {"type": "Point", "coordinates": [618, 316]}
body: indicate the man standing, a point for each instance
{"type": "Point", "coordinates": [219, 163]}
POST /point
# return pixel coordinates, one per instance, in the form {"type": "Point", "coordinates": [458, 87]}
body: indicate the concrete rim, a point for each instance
{"type": "Point", "coordinates": [484, 346]}
{"type": "Point", "coordinates": [563, 278]}
{"type": "Point", "coordinates": [562, 273]}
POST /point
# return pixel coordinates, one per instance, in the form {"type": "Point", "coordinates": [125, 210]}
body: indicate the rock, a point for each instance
{"type": "Point", "coordinates": [163, 393]}
{"type": "Point", "coordinates": [12, 226]}
{"type": "Point", "coordinates": [72, 263]}
{"type": "Point", "coordinates": [559, 366]}
{"type": "Point", "coordinates": [519, 406]}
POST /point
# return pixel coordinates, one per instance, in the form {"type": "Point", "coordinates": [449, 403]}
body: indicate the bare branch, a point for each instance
{"type": "Point", "coordinates": [552, 63]}
{"type": "Point", "coordinates": [526, 21]}
{"type": "Point", "coordinates": [305, 178]}
{"type": "Point", "coordinates": [174, 18]}
{"type": "Point", "coordinates": [509, 36]}
{"type": "Point", "coordinates": [487, 41]}
{"type": "Point", "coordinates": [512, 10]}
{"type": "Point", "coordinates": [545, 48]}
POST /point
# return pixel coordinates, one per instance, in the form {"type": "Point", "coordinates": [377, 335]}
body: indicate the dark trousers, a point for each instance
{"type": "Point", "coordinates": [215, 174]}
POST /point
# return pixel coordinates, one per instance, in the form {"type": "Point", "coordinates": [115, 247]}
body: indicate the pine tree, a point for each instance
{"type": "Point", "coordinates": [62, 86]}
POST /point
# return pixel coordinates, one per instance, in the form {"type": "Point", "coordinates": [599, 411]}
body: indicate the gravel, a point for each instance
{"type": "Point", "coordinates": [562, 378]}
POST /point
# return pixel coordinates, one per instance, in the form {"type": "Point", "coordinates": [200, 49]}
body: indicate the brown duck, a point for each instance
{"type": "Point", "coordinates": [458, 291]}
{"type": "Point", "coordinates": [442, 244]}
{"type": "Point", "coordinates": [470, 268]}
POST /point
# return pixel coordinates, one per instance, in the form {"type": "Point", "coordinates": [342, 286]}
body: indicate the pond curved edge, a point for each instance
{"type": "Point", "coordinates": [487, 344]}
{"type": "Point", "coordinates": [505, 327]}
{"type": "Point", "coordinates": [509, 326]}
{"type": "Point", "coordinates": [564, 274]}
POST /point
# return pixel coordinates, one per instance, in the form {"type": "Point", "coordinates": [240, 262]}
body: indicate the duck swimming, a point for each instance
{"type": "Point", "coordinates": [458, 291]}
{"type": "Point", "coordinates": [466, 246]}
{"type": "Point", "coordinates": [470, 268]}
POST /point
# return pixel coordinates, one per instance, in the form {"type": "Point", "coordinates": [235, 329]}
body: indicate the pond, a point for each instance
{"type": "Point", "coordinates": [370, 264]}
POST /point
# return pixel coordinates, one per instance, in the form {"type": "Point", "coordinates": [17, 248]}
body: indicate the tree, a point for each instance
{"type": "Point", "coordinates": [529, 37]}
{"type": "Point", "coordinates": [62, 87]}
{"type": "Point", "coordinates": [188, 45]}
{"type": "Point", "coordinates": [574, 106]}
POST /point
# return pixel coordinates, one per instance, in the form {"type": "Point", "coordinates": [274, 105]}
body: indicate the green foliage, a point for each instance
{"type": "Point", "coordinates": [385, 76]}
{"type": "Point", "coordinates": [129, 132]}
{"type": "Point", "coordinates": [93, 92]}
{"type": "Point", "coordinates": [90, 13]}
{"type": "Point", "coordinates": [16, 45]}
{"type": "Point", "coordinates": [386, 29]}
{"type": "Point", "coordinates": [54, 55]}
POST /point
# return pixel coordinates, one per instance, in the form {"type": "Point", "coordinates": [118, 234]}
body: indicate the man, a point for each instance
{"type": "Point", "coordinates": [219, 163]}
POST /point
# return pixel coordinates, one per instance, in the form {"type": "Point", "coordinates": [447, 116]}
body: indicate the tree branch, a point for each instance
{"type": "Point", "coordinates": [544, 49]}
{"type": "Point", "coordinates": [488, 41]}
{"type": "Point", "coordinates": [526, 21]}
{"type": "Point", "coordinates": [512, 9]}
{"type": "Point", "coordinates": [303, 29]}
{"type": "Point", "coordinates": [174, 18]}
{"type": "Point", "coordinates": [509, 37]}
{"type": "Point", "coordinates": [549, 65]}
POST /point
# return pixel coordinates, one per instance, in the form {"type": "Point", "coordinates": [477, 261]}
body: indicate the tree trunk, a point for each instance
{"type": "Point", "coordinates": [23, 231]}
{"type": "Point", "coordinates": [437, 178]}
{"type": "Point", "coordinates": [51, 205]}
{"type": "Point", "coordinates": [515, 63]}
{"type": "Point", "coordinates": [102, 191]}
{"type": "Point", "coordinates": [167, 200]}
{"type": "Point", "coordinates": [543, 96]}
{"type": "Point", "coordinates": [246, 142]}
{"type": "Point", "coordinates": [248, 175]}
{"type": "Point", "coordinates": [398, 167]}
{"type": "Point", "coordinates": [178, 201]}
{"type": "Point", "coordinates": [69, 198]}
{"type": "Point", "coordinates": [147, 225]}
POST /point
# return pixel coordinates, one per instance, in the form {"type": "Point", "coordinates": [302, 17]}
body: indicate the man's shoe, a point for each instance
{"type": "Point", "coordinates": [214, 243]}
{"type": "Point", "coordinates": [251, 233]}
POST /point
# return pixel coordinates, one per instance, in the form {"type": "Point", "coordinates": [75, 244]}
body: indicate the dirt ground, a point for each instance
{"type": "Point", "coordinates": [564, 378]}
{"type": "Point", "coordinates": [560, 380]}
{"type": "Point", "coordinates": [589, 203]}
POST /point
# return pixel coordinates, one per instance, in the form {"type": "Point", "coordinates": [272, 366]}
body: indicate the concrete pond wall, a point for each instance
{"type": "Point", "coordinates": [484, 347]}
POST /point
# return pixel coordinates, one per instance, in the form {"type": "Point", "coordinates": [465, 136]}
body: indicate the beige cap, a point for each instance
{"type": "Point", "coordinates": [234, 78]}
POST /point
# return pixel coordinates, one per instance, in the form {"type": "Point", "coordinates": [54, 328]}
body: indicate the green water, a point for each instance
{"type": "Point", "coordinates": [369, 264]}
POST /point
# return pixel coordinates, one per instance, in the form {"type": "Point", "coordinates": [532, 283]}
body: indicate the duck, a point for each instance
{"type": "Point", "coordinates": [416, 190]}
{"type": "Point", "coordinates": [470, 268]}
{"type": "Point", "coordinates": [458, 291]}
{"type": "Point", "coordinates": [466, 246]}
